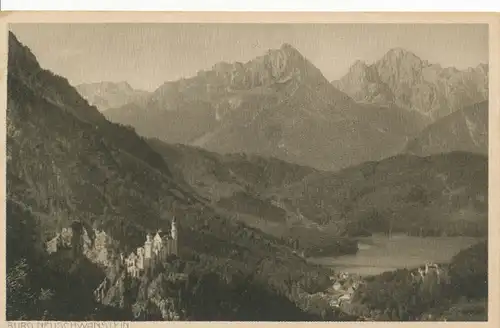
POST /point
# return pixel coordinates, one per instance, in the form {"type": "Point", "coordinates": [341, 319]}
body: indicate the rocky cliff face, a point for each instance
{"type": "Point", "coordinates": [276, 66]}
{"type": "Point", "coordinates": [403, 79]}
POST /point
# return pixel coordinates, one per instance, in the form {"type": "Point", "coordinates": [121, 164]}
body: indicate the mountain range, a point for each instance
{"type": "Point", "coordinates": [276, 105]}
{"type": "Point", "coordinates": [106, 95]}
{"type": "Point", "coordinates": [240, 215]}
{"type": "Point", "coordinates": [403, 79]}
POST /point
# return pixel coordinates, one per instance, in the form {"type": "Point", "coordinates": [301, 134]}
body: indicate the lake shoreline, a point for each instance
{"type": "Point", "coordinates": [379, 254]}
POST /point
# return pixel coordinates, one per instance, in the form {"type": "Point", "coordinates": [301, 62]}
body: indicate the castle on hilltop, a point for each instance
{"type": "Point", "coordinates": [431, 272]}
{"type": "Point", "coordinates": [155, 250]}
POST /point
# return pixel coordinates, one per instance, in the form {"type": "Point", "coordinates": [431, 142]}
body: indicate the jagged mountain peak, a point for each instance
{"type": "Point", "coordinates": [290, 51]}
{"type": "Point", "coordinates": [275, 66]}
{"type": "Point", "coordinates": [400, 59]}
{"type": "Point", "coordinates": [287, 46]}
{"type": "Point", "coordinates": [359, 66]}
{"type": "Point", "coordinates": [359, 63]}
{"type": "Point", "coordinates": [402, 78]}
{"type": "Point", "coordinates": [284, 64]}
{"type": "Point", "coordinates": [399, 52]}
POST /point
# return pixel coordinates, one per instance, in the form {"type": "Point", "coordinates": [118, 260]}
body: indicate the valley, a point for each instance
{"type": "Point", "coordinates": [275, 194]}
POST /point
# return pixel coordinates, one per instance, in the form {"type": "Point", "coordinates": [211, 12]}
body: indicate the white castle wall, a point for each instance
{"type": "Point", "coordinates": [155, 250]}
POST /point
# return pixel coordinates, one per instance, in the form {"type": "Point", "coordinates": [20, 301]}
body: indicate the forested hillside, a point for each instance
{"type": "Point", "coordinates": [67, 163]}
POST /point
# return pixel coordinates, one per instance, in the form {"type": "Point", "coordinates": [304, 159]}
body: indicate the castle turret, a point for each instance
{"type": "Point", "coordinates": [173, 230]}
{"type": "Point", "coordinates": [148, 247]}
{"type": "Point", "coordinates": [140, 258]}
{"type": "Point", "coordinates": [148, 250]}
{"type": "Point", "coordinates": [173, 233]}
{"type": "Point", "coordinates": [157, 243]}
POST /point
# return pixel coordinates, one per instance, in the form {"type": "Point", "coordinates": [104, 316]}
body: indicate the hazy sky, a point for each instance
{"type": "Point", "coordinates": [146, 55]}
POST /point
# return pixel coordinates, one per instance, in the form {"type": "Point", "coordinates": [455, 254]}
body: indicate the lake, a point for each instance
{"type": "Point", "coordinates": [379, 253]}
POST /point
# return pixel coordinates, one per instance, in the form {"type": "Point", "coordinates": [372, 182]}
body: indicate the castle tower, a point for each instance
{"type": "Point", "coordinates": [174, 232]}
{"type": "Point", "coordinates": [148, 249]}
{"type": "Point", "coordinates": [157, 243]}
{"type": "Point", "coordinates": [140, 258]}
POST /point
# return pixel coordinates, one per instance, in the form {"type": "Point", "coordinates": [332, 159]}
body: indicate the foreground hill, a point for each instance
{"type": "Point", "coordinates": [401, 78]}
{"type": "Point", "coordinates": [464, 130]}
{"type": "Point", "coordinates": [440, 194]}
{"type": "Point", "coordinates": [106, 95]}
{"type": "Point", "coordinates": [276, 105]}
{"type": "Point", "coordinates": [66, 163]}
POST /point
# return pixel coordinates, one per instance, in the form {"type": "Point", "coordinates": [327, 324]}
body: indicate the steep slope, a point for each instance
{"type": "Point", "coordinates": [403, 79]}
{"type": "Point", "coordinates": [277, 105]}
{"type": "Point", "coordinates": [464, 130]}
{"type": "Point", "coordinates": [105, 95]}
{"type": "Point", "coordinates": [66, 163]}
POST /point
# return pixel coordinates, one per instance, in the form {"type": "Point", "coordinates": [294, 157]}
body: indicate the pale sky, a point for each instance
{"type": "Point", "coordinates": [146, 55]}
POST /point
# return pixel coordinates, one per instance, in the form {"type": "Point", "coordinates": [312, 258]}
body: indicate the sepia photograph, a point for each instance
{"type": "Point", "coordinates": [217, 171]}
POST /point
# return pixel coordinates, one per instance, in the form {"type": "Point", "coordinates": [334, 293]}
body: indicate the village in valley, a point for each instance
{"type": "Point", "coordinates": [341, 295]}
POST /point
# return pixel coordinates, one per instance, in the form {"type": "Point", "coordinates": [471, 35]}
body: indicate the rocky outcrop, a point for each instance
{"type": "Point", "coordinates": [402, 78]}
